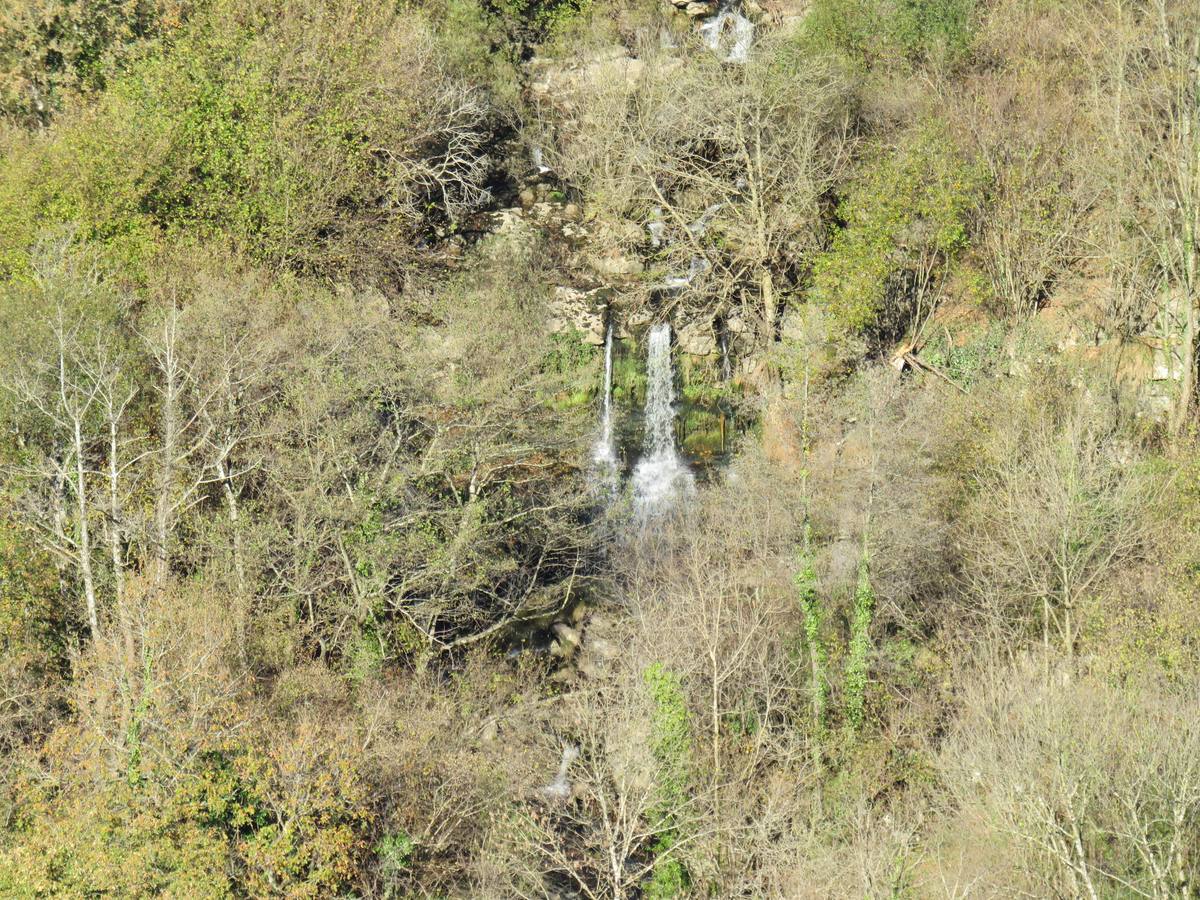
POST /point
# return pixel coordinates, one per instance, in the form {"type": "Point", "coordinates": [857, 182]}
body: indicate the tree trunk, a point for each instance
{"type": "Point", "coordinates": [85, 542]}
{"type": "Point", "coordinates": [766, 289]}
{"type": "Point", "coordinates": [1189, 187]}
{"type": "Point", "coordinates": [114, 545]}
{"type": "Point", "coordinates": [169, 423]}
{"type": "Point", "coordinates": [235, 525]}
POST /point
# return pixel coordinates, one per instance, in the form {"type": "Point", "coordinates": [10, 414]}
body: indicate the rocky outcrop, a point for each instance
{"type": "Point", "coordinates": [559, 218]}
{"type": "Point", "coordinates": [562, 82]}
{"type": "Point", "coordinates": [572, 309]}
{"type": "Point", "coordinates": [697, 337]}
{"type": "Point", "coordinates": [776, 12]}
{"type": "Point", "coordinates": [614, 264]}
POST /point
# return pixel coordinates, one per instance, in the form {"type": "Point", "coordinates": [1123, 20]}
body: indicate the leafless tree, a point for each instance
{"type": "Point", "coordinates": [1097, 784]}
{"type": "Point", "coordinates": [743, 153]}
{"type": "Point", "coordinates": [1149, 97]}
{"type": "Point", "coordinates": [1051, 521]}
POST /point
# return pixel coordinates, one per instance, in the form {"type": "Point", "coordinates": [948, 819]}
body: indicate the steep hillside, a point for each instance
{"type": "Point", "coordinates": [630, 449]}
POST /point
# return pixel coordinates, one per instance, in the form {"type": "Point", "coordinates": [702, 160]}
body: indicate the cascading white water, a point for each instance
{"type": "Point", "coordinates": [604, 454]}
{"type": "Point", "coordinates": [740, 33]}
{"type": "Point", "coordinates": [700, 226]}
{"type": "Point", "coordinates": [696, 267]}
{"type": "Point", "coordinates": [661, 476]}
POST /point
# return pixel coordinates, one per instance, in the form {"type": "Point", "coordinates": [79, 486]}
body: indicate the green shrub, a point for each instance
{"type": "Point", "coordinates": [394, 853]}
{"type": "Point", "coordinates": [53, 50]}
{"type": "Point", "coordinates": [667, 880]}
{"type": "Point", "coordinates": [882, 31]}
{"type": "Point", "coordinates": [671, 745]}
{"type": "Point", "coordinates": [933, 28]}
{"type": "Point", "coordinates": [115, 840]}
{"type": "Point", "coordinates": [813, 614]}
{"type": "Point", "coordinates": [315, 139]}
{"type": "Point", "coordinates": [905, 219]}
{"type": "Point", "coordinates": [671, 739]}
{"type": "Point", "coordinates": [967, 362]}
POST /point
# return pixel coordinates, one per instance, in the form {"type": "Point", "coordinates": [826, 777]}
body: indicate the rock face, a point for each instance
{"type": "Point", "coordinates": [614, 264]}
{"type": "Point", "coordinates": [561, 82]}
{"type": "Point", "coordinates": [572, 309]}
{"type": "Point", "coordinates": [559, 218]}
{"type": "Point", "coordinates": [697, 338]}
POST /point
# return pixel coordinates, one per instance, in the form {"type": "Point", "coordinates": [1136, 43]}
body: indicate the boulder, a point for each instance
{"type": "Point", "coordinates": [567, 637]}
{"type": "Point", "coordinates": [508, 221]}
{"type": "Point", "coordinates": [794, 328]}
{"type": "Point", "coordinates": [735, 324]}
{"type": "Point", "coordinates": [697, 338]}
{"type": "Point", "coordinates": [615, 264]}
{"type": "Point", "coordinates": [574, 232]}
{"type": "Point", "coordinates": [601, 647]}
{"type": "Point", "coordinates": [634, 323]}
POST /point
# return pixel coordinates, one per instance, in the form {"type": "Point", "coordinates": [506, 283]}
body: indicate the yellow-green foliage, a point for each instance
{"type": "Point", "coordinates": [300, 142]}
{"type": "Point", "coordinates": [874, 31]}
{"type": "Point", "coordinates": [859, 647]}
{"type": "Point", "coordinates": [813, 611]}
{"type": "Point", "coordinates": [54, 50]}
{"type": "Point", "coordinates": [31, 633]}
{"type": "Point", "coordinates": [282, 815]}
{"type": "Point", "coordinates": [671, 745]}
{"type": "Point", "coordinates": [115, 840]}
{"type": "Point", "coordinates": [905, 218]}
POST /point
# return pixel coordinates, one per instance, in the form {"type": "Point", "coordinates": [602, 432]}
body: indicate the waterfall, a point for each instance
{"type": "Point", "coordinates": [661, 476]}
{"type": "Point", "coordinates": [700, 226]}
{"type": "Point", "coordinates": [604, 454]}
{"type": "Point", "coordinates": [740, 29]}
{"type": "Point", "coordinates": [696, 267]}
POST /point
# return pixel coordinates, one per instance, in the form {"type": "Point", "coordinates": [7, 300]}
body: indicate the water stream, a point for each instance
{"type": "Point", "coordinates": [729, 28]}
{"type": "Point", "coordinates": [661, 477]}
{"type": "Point", "coordinates": [604, 454]}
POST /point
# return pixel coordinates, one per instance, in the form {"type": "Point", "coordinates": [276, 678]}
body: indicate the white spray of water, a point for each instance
{"type": "Point", "coordinates": [559, 789]}
{"type": "Point", "coordinates": [729, 28]}
{"type": "Point", "coordinates": [604, 454]}
{"type": "Point", "coordinates": [700, 226]}
{"type": "Point", "coordinates": [697, 267]}
{"type": "Point", "coordinates": [661, 477]}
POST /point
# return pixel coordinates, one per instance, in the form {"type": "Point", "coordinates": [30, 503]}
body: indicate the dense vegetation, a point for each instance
{"type": "Point", "coordinates": [305, 588]}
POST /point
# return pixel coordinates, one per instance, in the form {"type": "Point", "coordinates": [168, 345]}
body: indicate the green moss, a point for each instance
{"type": "Point", "coordinates": [813, 613]}
{"type": "Point", "coordinates": [858, 652]}
{"type": "Point", "coordinates": [576, 367]}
